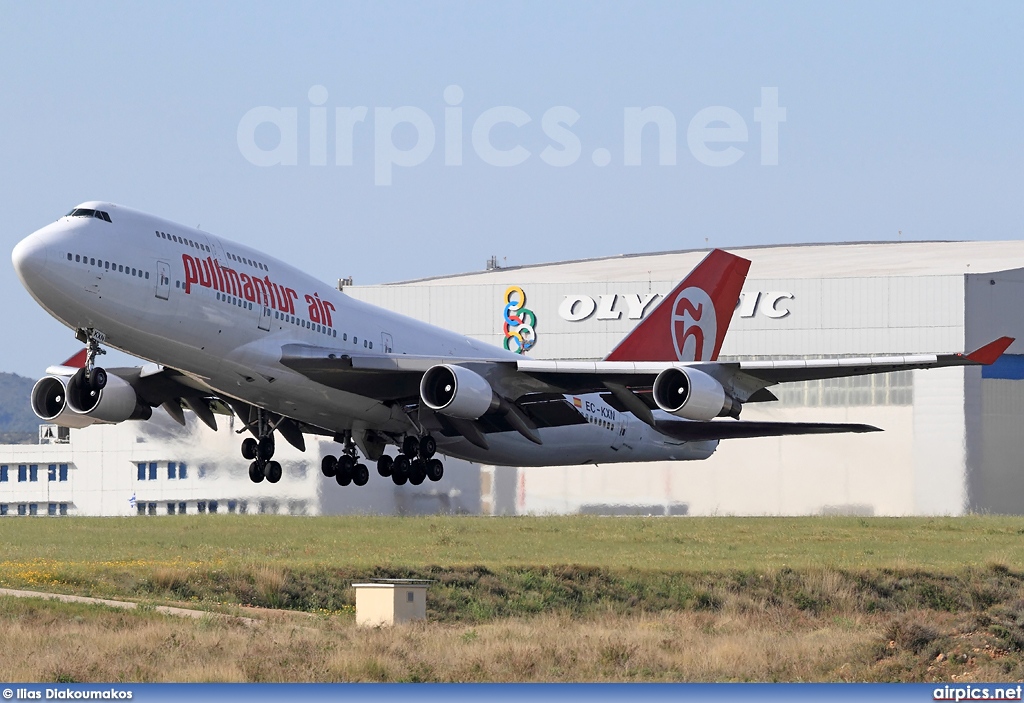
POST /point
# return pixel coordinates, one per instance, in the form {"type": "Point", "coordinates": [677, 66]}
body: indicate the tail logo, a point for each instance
{"type": "Point", "coordinates": [694, 325]}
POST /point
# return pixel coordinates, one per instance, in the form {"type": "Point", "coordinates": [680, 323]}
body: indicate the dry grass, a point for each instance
{"type": "Point", "coordinates": [744, 640]}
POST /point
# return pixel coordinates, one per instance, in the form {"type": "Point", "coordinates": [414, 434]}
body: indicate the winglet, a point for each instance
{"type": "Point", "coordinates": [77, 361]}
{"type": "Point", "coordinates": [689, 324]}
{"type": "Point", "coordinates": [991, 351]}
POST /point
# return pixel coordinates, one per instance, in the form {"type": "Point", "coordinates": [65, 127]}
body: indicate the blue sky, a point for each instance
{"type": "Point", "coordinates": [899, 117]}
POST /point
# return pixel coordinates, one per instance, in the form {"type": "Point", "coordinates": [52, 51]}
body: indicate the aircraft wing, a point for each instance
{"type": "Point", "coordinates": [745, 380]}
{"type": "Point", "coordinates": [530, 393]}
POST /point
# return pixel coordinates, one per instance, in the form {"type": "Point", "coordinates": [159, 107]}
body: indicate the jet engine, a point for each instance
{"type": "Point", "coordinates": [66, 401]}
{"type": "Point", "coordinates": [456, 391]}
{"type": "Point", "coordinates": [50, 403]}
{"type": "Point", "coordinates": [691, 394]}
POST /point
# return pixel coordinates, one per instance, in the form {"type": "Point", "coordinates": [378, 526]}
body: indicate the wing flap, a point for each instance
{"type": "Point", "coordinates": [690, 431]}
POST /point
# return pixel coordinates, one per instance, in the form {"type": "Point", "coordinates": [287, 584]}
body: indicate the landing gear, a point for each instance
{"type": "Point", "coordinates": [410, 446]}
{"type": "Point", "coordinates": [329, 466]}
{"type": "Point", "coordinates": [91, 377]}
{"type": "Point", "coordinates": [417, 472]}
{"type": "Point", "coordinates": [428, 445]}
{"type": "Point", "coordinates": [415, 462]}
{"type": "Point", "coordinates": [400, 470]}
{"type": "Point", "coordinates": [346, 469]}
{"type": "Point", "coordinates": [249, 448]}
{"type": "Point", "coordinates": [435, 469]}
{"type": "Point", "coordinates": [260, 450]}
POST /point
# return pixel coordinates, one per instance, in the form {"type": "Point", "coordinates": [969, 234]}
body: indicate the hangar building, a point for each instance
{"type": "Point", "coordinates": [951, 443]}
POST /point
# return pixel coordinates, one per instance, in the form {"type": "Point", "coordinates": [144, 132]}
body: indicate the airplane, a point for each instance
{"type": "Point", "coordinates": [228, 330]}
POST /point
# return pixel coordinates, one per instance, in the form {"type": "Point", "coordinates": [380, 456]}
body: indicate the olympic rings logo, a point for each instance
{"type": "Point", "coordinates": [520, 322]}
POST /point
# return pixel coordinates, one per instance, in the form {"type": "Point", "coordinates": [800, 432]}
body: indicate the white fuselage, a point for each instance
{"type": "Point", "coordinates": [188, 300]}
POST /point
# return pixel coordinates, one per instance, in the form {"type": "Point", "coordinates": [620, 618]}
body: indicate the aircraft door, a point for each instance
{"type": "Point", "coordinates": [387, 343]}
{"type": "Point", "coordinates": [264, 315]}
{"type": "Point", "coordinates": [163, 280]}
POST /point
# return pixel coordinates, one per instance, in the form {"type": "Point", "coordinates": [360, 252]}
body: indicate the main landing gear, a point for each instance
{"type": "Point", "coordinates": [414, 463]}
{"type": "Point", "coordinates": [260, 450]}
{"type": "Point", "coordinates": [345, 469]}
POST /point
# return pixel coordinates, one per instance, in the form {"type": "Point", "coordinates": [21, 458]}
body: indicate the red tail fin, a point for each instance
{"type": "Point", "coordinates": [77, 361]}
{"type": "Point", "coordinates": [689, 323]}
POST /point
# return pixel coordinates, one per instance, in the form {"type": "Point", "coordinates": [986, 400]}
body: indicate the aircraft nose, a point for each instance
{"type": "Point", "coordinates": [29, 258]}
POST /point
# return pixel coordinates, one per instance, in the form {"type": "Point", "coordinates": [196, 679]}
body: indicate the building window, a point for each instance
{"type": "Point", "coordinates": [33, 508]}
{"type": "Point", "coordinates": [3, 473]}
{"type": "Point", "coordinates": [152, 471]}
{"type": "Point", "coordinates": [33, 472]}
{"type": "Point", "coordinates": [3, 508]}
{"type": "Point", "coordinates": [141, 507]}
{"type": "Point", "coordinates": [201, 506]}
{"type": "Point", "coordinates": [64, 509]}
{"type": "Point", "coordinates": [22, 509]}
{"type": "Point", "coordinates": [142, 471]}
{"type": "Point", "coordinates": [51, 509]}
{"type": "Point", "coordinates": [22, 473]}
{"type": "Point", "coordinates": [63, 472]}
{"type": "Point", "coordinates": [181, 508]}
{"type": "Point", "coordinates": [170, 508]}
{"type": "Point", "coordinates": [172, 470]}
{"type": "Point", "coordinates": [213, 506]}
{"type": "Point", "coordinates": [232, 506]}
{"type": "Point", "coordinates": [182, 470]}
{"type": "Point", "coordinates": [51, 472]}
{"type": "Point", "coordinates": [152, 509]}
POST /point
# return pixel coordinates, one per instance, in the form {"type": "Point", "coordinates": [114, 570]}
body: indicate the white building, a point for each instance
{"type": "Point", "coordinates": [160, 468]}
{"type": "Point", "coordinates": [951, 442]}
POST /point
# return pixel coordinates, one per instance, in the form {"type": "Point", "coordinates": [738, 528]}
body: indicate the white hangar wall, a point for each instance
{"type": "Point", "coordinates": [948, 445]}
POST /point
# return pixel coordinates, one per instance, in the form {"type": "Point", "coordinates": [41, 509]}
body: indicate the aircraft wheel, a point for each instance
{"type": "Point", "coordinates": [265, 448]}
{"type": "Point", "coordinates": [360, 474]}
{"type": "Point", "coordinates": [329, 466]}
{"type": "Point", "coordinates": [273, 471]}
{"type": "Point", "coordinates": [428, 445]}
{"type": "Point", "coordinates": [249, 448]}
{"type": "Point", "coordinates": [98, 379]}
{"type": "Point", "coordinates": [343, 478]}
{"type": "Point", "coordinates": [384, 465]}
{"type": "Point", "coordinates": [417, 472]}
{"type": "Point", "coordinates": [410, 445]}
{"type": "Point", "coordinates": [399, 479]}
{"type": "Point", "coordinates": [435, 469]}
{"type": "Point", "coordinates": [400, 467]}
{"type": "Point", "coordinates": [256, 472]}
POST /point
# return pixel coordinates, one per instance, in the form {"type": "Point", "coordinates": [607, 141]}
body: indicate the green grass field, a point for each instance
{"type": "Point", "coordinates": [680, 544]}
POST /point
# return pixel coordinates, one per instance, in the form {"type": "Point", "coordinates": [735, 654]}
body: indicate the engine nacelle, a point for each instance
{"type": "Point", "coordinates": [50, 403]}
{"type": "Point", "coordinates": [457, 391]}
{"type": "Point", "coordinates": [691, 394]}
{"type": "Point", "coordinates": [115, 402]}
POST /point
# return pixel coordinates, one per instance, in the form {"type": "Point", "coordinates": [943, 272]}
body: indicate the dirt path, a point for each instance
{"type": "Point", "coordinates": [127, 605]}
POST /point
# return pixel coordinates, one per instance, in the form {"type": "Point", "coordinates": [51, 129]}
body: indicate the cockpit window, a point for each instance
{"type": "Point", "coordinates": [86, 212]}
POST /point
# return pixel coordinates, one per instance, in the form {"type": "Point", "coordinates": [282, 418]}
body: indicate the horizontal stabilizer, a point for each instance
{"type": "Point", "coordinates": [687, 430]}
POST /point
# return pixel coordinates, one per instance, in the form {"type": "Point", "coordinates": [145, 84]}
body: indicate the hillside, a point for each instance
{"type": "Point", "coordinates": [18, 424]}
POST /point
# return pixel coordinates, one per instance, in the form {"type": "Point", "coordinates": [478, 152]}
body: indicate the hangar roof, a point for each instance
{"type": "Point", "coordinates": [840, 260]}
